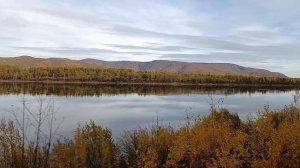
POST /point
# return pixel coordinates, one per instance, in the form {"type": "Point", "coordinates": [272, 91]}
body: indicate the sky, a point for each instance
{"type": "Point", "coordinates": [253, 33]}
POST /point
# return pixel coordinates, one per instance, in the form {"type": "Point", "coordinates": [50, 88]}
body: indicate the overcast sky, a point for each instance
{"type": "Point", "coordinates": [254, 33]}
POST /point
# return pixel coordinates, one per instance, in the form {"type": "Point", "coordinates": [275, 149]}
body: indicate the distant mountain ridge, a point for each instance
{"type": "Point", "coordinates": [156, 65]}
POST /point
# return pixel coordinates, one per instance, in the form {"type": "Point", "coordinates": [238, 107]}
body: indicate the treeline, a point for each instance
{"type": "Point", "coordinates": [218, 140]}
{"type": "Point", "coordinates": [61, 89]}
{"type": "Point", "coordinates": [130, 76]}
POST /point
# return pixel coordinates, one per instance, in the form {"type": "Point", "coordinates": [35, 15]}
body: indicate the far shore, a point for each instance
{"type": "Point", "coordinates": [151, 83]}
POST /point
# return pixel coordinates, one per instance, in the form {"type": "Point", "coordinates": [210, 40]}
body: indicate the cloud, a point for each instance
{"type": "Point", "coordinates": [156, 47]}
{"type": "Point", "coordinates": [78, 52]}
{"type": "Point", "coordinates": [266, 49]}
{"type": "Point", "coordinates": [83, 17]}
{"type": "Point", "coordinates": [259, 35]}
{"type": "Point", "coordinates": [3, 38]}
{"type": "Point", "coordinates": [217, 57]}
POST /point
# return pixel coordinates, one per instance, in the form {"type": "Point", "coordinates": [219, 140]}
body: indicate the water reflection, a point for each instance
{"type": "Point", "coordinates": [109, 89]}
{"type": "Point", "coordinates": [122, 107]}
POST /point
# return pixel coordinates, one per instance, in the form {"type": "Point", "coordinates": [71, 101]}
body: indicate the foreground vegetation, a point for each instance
{"type": "Point", "coordinates": [130, 76]}
{"type": "Point", "coordinates": [218, 140]}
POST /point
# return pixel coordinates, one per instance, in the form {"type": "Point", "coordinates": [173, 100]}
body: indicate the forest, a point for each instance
{"type": "Point", "coordinates": [76, 74]}
{"type": "Point", "coordinates": [220, 139]}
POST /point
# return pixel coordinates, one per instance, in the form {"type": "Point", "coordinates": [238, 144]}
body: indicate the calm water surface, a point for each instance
{"type": "Point", "coordinates": [122, 107]}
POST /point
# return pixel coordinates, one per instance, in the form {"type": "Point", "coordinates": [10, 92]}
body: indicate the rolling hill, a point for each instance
{"type": "Point", "coordinates": [156, 65]}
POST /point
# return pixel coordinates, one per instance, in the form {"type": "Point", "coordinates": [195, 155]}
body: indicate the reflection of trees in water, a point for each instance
{"type": "Point", "coordinates": [114, 89]}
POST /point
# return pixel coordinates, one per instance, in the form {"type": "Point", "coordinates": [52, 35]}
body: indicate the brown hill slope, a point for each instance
{"type": "Point", "coordinates": [157, 65]}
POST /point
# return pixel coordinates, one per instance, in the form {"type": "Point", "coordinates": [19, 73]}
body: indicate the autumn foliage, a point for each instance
{"type": "Point", "coordinates": [98, 75]}
{"type": "Point", "coordinates": [220, 139]}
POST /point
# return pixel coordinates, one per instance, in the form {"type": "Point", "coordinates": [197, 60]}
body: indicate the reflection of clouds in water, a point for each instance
{"type": "Point", "coordinates": [121, 112]}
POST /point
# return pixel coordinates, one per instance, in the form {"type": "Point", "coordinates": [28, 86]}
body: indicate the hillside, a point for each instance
{"type": "Point", "coordinates": [157, 65]}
